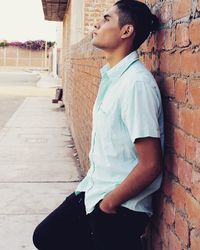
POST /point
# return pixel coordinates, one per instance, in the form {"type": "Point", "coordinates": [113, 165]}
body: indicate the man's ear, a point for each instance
{"type": "Point", "coordinates": [127, 31]}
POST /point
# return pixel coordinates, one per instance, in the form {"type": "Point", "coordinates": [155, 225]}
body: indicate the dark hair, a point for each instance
{"type": "Point", "coordinates": [139, 15]}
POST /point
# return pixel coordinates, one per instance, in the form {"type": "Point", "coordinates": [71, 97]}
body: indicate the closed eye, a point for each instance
{"type": "Point", "coordinates": [106, 17]}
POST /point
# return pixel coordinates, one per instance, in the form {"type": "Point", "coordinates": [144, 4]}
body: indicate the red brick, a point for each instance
{"type": "Point", "coordinates": [175, 62]}
{"type": "Point", "coordinates": [164, 233]}
{"type": "Point", "coordinates": [190, 120]}
{"type": "Point", "coordinates": [197, 157]}
{"type": "Point", "coordinates": [155, 60]}
{"type": "Point", "coordinates": [195, 185]}
{"type": "Point", "coordinates": [190, 148]}
{"type": "Point", "coordinates": [195, 176]}
{"type": "Point", "coordinates": [181, 8]}
{"type": "Point", "coordinates": [165, 12]}
{"type": "Point", "coordinates": [193, 210]}
{"type": "Point", "coordinates": [168, 87]}
{"type": "Point", "coordinates": [193, 31]}
{"type": "Point", "coordinates": [195, 239]}
{"type": "Point", "coordinates": [187, 59]}
{"type": "Point", "coordinates": [147, 61]}
{"type": "Point", "coordinates": [174, 242]}
{"type": "Point", "coordinates": [197, 62]}
{"type": "Point", "coordinates": [164, 62]}
{"type": "Point", "coordinates": [180, 90]}
{"type": "Point", "coordinates": [151, 43]}
{"type": "Point", "coordinates": [160, 38]}
{"type": "Point", "coordinates": [184, 172]}
{"type": "Point", "coordinates": [169, 213]}
{"type": "Point", "coordinates": [196, 127]}
{"type": "Point", "coordinates": [151, 62]}
{"type": "Point", "coordinates": [142, 57]}
{"type": "Point", "coordinates": [178, 196]}
{"type": "Point", "coordinates": [181, 228]}
{"type": "Point", "coordinates": [179, 142]}
{"type": "Point", "coordinates": [169, 39]}
{"type": "Point", "coordinates": [194, 92]}
{"type": "Point", "coordinates": [188, 62]}
{"type": "Point", "coordinates": [182, 37]}
{"type": "Point", "coordinates": [186, 117]}
{"type": "Point", "coordinates": [144, 47]}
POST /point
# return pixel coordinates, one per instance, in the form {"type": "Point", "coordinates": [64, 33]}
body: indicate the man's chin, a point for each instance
{"type": "Point", "coordinates": [96, 44]}
{"type": "Point", "coordinates": [93, 42]}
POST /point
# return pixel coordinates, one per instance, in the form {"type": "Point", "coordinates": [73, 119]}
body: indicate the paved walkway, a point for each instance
{"type": "Point", "coordinates": [37, 169]}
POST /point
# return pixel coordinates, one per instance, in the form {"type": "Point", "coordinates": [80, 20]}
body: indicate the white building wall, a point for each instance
{"type": "Point", "coordinates": [77, 21]}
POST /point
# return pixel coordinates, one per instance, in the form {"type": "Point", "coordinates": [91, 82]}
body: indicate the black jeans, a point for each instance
{"type": "Point", "coordinates": [69, 228]}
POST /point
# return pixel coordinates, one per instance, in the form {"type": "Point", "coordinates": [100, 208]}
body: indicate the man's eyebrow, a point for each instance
{"type": "Point", "coordinates": [107, 16]}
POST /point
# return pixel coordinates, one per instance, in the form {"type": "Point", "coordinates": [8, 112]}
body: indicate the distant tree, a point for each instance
{"type": "Point", "coordinates": [33, 45]}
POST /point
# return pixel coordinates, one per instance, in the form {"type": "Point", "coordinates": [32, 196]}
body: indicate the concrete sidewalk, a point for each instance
{"type": "Point", "coordinates": [37, 169]}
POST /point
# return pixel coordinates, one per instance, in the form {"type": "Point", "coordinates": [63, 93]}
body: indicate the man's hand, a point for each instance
{"type": "Point", "coordinates": [104, 206]}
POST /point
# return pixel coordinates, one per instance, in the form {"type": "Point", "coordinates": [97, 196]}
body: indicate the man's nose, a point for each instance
{"type": "Point", "coordinates": [97, 26]}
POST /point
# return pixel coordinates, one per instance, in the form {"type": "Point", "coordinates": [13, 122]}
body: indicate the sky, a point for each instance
{"type": "Point", "coordinates": [22, 20]}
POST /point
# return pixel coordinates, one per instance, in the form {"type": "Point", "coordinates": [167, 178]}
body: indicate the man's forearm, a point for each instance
{"type": "Point", "coordinates": [138, 179]}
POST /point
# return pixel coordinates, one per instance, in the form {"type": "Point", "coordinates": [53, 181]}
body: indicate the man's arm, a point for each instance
{"type": "Point", "coordinates": [149, 167]}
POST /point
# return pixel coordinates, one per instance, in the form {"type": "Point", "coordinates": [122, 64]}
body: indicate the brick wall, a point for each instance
{"type": "Point", "coordinates": [80, 96]}
{"type": "Point", "coordinates": [173, 56]}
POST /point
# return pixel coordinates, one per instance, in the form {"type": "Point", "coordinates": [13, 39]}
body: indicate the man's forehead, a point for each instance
{"type": "Point", "coordinates": [111, 11]}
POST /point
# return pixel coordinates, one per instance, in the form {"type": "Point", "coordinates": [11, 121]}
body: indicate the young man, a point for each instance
{"type": "Point", "coordinates": [111, 206]}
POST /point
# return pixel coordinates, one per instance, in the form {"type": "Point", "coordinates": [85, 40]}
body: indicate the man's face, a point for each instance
{"type": "Point", "coordinates": [107, 32]}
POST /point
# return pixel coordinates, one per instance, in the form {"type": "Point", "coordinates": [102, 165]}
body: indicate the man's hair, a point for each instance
{"type": "Point", "coordinates": [139, 15]}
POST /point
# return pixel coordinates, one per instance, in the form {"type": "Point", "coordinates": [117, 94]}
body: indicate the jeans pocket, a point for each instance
{"type": "Point", "coordinates": [123, 211]}
{"type": "Point", "coordinates": [100, 212]}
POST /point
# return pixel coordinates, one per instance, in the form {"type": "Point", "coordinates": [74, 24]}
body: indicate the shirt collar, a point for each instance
{"type": "Point", "coordinates": [115, 72]}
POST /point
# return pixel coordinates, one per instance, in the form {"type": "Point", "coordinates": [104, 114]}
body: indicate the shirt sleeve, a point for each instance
{"type": "Point", "coordinates": [140, 108]}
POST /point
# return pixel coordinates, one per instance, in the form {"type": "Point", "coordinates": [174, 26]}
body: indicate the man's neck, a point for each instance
{"type": "Point", "coordinates": [114, 57]}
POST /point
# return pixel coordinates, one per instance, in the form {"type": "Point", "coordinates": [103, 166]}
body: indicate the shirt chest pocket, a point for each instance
{"type": "Point", "coordinates": [108, 108]}
{"type": "Point", "coordinates": [106, 116]}
{"type": "Point", "coordinates": [109, 102]}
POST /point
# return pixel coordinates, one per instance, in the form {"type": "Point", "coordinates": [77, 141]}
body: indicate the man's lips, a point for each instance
{"type": "Point", "coordinates": [94, 33]}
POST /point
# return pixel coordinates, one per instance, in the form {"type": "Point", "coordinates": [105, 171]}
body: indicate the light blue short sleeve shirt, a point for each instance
{"type": "Point", "coordinates": [128, 106]}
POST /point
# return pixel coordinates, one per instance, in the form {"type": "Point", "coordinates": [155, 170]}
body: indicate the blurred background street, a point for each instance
{"type": "Point", "coordinates": [37, 166]}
